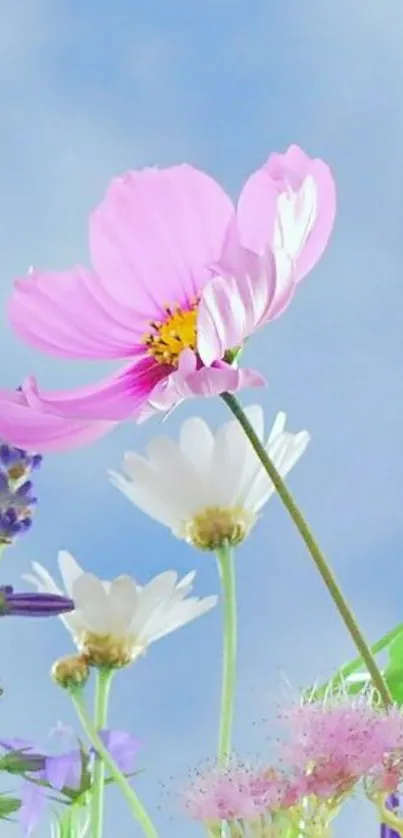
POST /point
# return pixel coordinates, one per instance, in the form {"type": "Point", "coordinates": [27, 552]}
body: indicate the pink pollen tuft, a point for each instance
{"type": "Point", "coordinates": [237, 792]}
{"type": "Point", "coordinates": [339, 744]}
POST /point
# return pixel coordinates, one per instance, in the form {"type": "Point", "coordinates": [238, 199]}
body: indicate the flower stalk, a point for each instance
{"type": "Point", "coordinates": [225, 560]}
{"type": "Point", "coordinates": [136, 807]}
{"type": "Point", "coordinates": [318, 557]}
{"type": "Point", "coordinates": [102, 691]}
{"type": "Point", "coordinates": [389, 820]}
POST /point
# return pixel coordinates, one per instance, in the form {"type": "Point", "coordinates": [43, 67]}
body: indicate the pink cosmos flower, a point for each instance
{"type": "Point", "coordinates": [339, 744]}
{"type": "Point", "coordinates": [180, 279]}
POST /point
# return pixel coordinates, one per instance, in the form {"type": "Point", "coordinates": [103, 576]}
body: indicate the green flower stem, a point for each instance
{"type": "Point", "coordinates": [225, 560]}
{"type": "Point", "coordinates": [389, 818]}
{"type": "Point", "coordinates": [319, 559]}
{"type": "Point", "coordinates": [70, 825]}
{"type": "Point", "coordinates": [102, 690]}
{"type": "Point", "coordinates": [136, 807]}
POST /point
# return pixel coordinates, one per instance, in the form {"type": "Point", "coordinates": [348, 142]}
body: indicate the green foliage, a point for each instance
{"type": "Point", "coordinates": [8, 806]}
{"type": "Point", "coordinates": [393, 672]}
{"type": "Point", "coordinates": [72, 825]}
{"type": "Point", "coordinates": [348, 676]}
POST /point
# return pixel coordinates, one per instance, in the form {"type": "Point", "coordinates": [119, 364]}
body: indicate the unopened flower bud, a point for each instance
{"type": "Point", "coordinates": [72, 671]}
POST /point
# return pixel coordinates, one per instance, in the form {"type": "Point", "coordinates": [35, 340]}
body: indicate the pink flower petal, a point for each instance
{"type": "Point", "coordinates": [155, 233]}
{"type": "Point", "coordinates": [257, 210]}
{"type": "Point", "coordinates": [270, 280]}
{"type": "Point", "coordinates": [33, 428]}
{"type": "Point", "coordinates": [232, 308]}
{"type": "Point", "coordinates": [115, 398]}
{"type": "Point", "coordinates": [221, 321]}
{"type": "Point", "coordinates": [275, 199]}
{"type": "Point", "coordinates": [71, 315]}
{"type": "Point", "coordinates": [189, 382]}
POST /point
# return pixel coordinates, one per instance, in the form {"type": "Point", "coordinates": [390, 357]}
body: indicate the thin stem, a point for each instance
{"type": "Point", "coordinates": [390, 819]}
{"type": "Point", "coordinates": [102, 690]}
{"type": "Point", "coordinates": [319, 559]}
{"type": "Point", "coordinates": [73, 824]}
{"type": "Point", "coordinates": [226, 567]}
{"type": "Point", "coordinates": [137, 809]}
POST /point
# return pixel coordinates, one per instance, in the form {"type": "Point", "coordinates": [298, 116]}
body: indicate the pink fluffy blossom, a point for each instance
{"type": "Point", "coordinates": [180, 278]}
{"type": "Point", "coordinates": [237, 792]}
{"type": "Point", "coordinates": [338, 744]}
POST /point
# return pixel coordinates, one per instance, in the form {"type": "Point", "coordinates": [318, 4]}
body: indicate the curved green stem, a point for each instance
{"type": "Point", "coordinates": [136, 807]}
{"type": "Point", "coordinates": [226, 568]}
{"type": "Point", "coordinates": [319, 559]}
{"type": "Point", "coordinates": [102, 690]}
{"type": "Point", "coordinates": [387, 817]}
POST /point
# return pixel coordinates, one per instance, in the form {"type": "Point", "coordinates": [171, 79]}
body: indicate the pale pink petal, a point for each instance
{"type": "Point", "coordinates": [232, 308]}
{"type": "Point", "coordinates": [257, 210]}
{"type": "Point", "coordinates": [325, 218]}
{"type": "Point", "coordinates": [311, 210]}
{"type": "Point", "coordinates": [71, 315]}
{"type": "Point", "coordinates": [221, 320]}
{"type": "Point", "coordinates": [36, 429]}
{"type": "Point", "coordinates": [155, 233]}
{"type": "Point", "coordinates": [232, 252]}
{"type": "Point", "coordinates": [115, 398]}
{"type": "Point", "coordinates": [189, 382]}
{"type": "Point", "coordinates": [284, 291]}
{"type": "Point", "coordinates": [270, 276]}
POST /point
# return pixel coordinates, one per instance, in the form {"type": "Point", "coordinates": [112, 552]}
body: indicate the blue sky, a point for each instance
{"type": "Point", "coordinates": [88, 90]}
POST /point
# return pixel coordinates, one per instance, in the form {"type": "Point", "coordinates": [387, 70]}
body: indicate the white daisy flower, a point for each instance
{"type": "Point", "coordinates": [209, 489]}
{"type": "Point", "coordinates": [114, 622]}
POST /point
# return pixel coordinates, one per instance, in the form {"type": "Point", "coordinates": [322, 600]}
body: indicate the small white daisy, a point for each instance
{"type": "Point", "coordinates": [209, 489]}
{"type": "Point", "coordinates": [114, 622]}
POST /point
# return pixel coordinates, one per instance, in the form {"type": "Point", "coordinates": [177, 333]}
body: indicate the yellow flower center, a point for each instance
{"type": "Point", "coordinates": [171, 336]}
{"type": "Point", "coordinates": [109, 650]}
{"type": "Point", "coordinates": [217, 527]}
{"type": "Point", "coordinates": [17, 471]}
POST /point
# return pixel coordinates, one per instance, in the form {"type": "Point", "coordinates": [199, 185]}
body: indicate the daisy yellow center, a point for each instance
{"type": "Point", "coordinates": [217, 527]}
{"type": "Point", "coordinates": [169, 337]}
{"type": "Point", "coordinates": [109, 649]}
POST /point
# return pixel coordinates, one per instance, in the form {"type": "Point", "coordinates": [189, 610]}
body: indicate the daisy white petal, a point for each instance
{"type": "Point", "coordinates": [115, 621]}
{"type": "Point", "coordinates": [70, 570]}
{"type": "Point", "coordinates": [209, 488]}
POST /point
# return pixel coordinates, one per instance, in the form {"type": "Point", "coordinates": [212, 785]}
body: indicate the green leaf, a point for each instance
{"type": "Point", "coordinates": [19, 761]}
{"type": "Point", "coordinates": [393, 638]}
{"type": "Point", "coordinates": [394, 671]}
{"type": "Point", "coordinates": [394, 678]}
{"type": "Point", "coordinates": [8, 806]}
{"type": "Point", "coordinates": [110, 780]}
{"type": "Point", "coordinates": [395, 650]}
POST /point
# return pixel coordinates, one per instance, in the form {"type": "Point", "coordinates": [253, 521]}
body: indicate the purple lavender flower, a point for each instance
{"type": "Point", "coordinates": [69, 773]}
{"type": "Point", "coordinates": [32, 604]}
{"type": "Point", "coordinates": [16, 491]}
{"type": "Point", "coordinates": [393, 805]}
{"type": "Point", "coordinates": [18, 463]}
